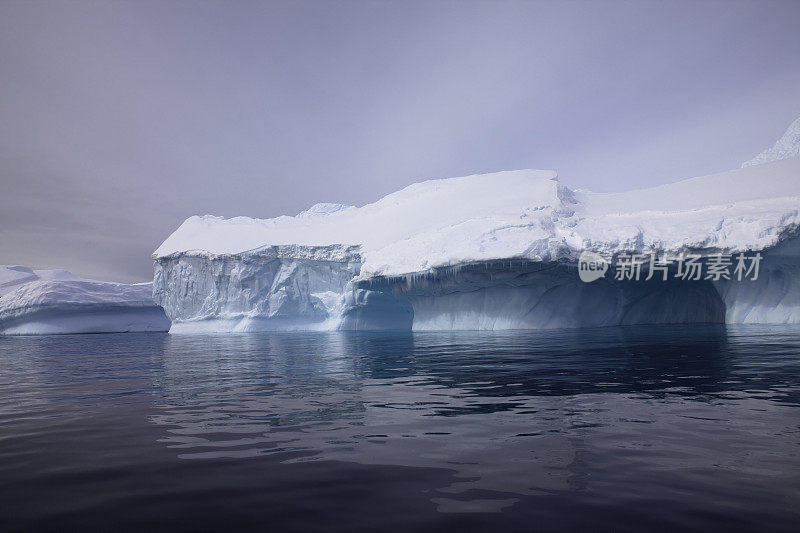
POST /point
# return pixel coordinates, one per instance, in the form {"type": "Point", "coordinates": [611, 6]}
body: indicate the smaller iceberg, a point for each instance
{"type": "Point", "coordinates": [47, 302]}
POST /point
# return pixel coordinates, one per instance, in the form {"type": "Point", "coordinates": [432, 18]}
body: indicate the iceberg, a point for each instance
{"type": "Point", "coordinates": [487, 252]}
{"type": "Point", "coordinates": [45, 302]}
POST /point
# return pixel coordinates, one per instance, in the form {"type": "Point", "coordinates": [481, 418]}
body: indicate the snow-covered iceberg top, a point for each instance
{"type": "Point", "coordinates": [11, 276]}
{"type": "Point", "coordinates": [787, 146]}
{"type": "Point", "coordinates": [56, 301]}
{"type": "Point", "coordinates": [522, 214]}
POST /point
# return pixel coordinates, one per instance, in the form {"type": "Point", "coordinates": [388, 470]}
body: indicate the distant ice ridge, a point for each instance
{"type": "Point", "coordinates": [786, 147]}
{"type": "Point", "coordinates": [322, 209]}
{"type": "Point", "coordinates": [42, 302]}
{"type": "Point", "coordinates": [493, 251]}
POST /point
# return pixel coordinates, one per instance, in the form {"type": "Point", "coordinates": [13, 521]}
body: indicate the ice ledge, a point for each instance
{"type": "Point", "coordinates": [331, 252]}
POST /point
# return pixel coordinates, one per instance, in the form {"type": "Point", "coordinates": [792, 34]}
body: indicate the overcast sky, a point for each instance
{"type": "Point", "coordinates": [121, 119]}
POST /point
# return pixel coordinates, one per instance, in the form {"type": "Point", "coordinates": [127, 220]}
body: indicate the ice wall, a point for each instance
{"type": "Point", "coordinates": [528, 295]}
{"type": "Point", "coordinates": [289, 289]}
{"type": "Point", "coordinates": [274, 288]}
{"type": "Point", "coordinates": [774, 298]}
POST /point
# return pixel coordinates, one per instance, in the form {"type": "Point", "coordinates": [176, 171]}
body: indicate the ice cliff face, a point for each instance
{"type": "Point", "coordinates": [786, 147]}
{"type": "Point", "coordinates": [495, 251]}
{"type": "Point", "coordinates": [55, 301]}
{"type": "Point", "coordinates": [275, 287]}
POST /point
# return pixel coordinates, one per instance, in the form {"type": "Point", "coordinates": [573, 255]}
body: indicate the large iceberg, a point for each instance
{"type": "Point", "coordinates": [493, 251]}
{"type": "Point", "coordinates": [41, 302]}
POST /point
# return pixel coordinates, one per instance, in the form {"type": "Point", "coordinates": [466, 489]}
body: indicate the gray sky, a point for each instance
{"type": "Point", "coordinates": [121, 119]}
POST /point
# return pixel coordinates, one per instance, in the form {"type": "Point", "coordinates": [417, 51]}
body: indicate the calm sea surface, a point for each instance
{"type": "Point", "coordinates": [625, 429]}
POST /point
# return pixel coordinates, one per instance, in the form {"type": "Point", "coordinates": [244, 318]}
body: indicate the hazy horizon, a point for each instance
{"type": "Point", "coordinates": [121, 119]}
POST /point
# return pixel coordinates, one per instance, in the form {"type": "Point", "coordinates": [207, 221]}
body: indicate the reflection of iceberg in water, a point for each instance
{"type": "Point", "coordinates": [312, 398]}
{"type": "Point", "coordinates": [511, 415]}
{"type": "Point", "coordinates": [240, 404]}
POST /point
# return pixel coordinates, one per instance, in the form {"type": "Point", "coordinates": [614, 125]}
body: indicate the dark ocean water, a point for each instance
{"type": "Point", "coordinates": [625, 429]}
